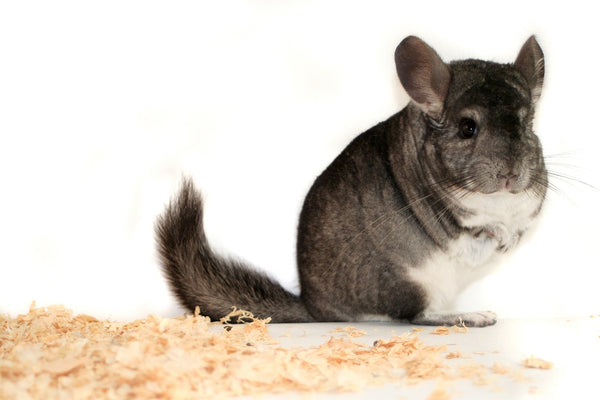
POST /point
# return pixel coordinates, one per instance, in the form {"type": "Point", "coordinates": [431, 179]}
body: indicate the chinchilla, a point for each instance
{"type": "Point", "coordinates": [411, 212]}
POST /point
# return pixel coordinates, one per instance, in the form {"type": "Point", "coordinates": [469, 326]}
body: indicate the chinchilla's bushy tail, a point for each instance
{"type": "Point", "coordinates": [199, 277]}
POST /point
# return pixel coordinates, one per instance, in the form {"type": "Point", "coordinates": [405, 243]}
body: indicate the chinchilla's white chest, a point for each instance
{"type": "Point", "coordinates": [493, 225]}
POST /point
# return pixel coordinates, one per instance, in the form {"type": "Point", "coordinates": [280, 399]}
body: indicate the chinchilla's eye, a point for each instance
{"type": "Point", "coordinates": [467, 128]}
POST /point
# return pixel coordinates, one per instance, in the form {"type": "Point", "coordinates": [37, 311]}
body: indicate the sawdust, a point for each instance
{"type": "Point", "coordinates": [440, 330]}
{"type": "Point", "coordinates": [350, 331]}
{"type": "Point", "coordinates": [534, 362]}
{"type": "Point", "coordinates": [50, 353]}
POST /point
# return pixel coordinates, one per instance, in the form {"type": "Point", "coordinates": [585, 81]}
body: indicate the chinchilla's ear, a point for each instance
{"type": "Point", "coordinates": [530, 62]}
{"type": "Point", "coordinates": [423, 74]}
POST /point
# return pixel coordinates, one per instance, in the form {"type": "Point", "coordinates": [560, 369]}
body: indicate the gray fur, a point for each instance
{"type": "Point", "coordinates": [391, 201]}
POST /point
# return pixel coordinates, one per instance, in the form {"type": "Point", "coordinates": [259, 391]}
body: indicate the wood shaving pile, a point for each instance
{"type": "Point", "coordinates": [50, 353]}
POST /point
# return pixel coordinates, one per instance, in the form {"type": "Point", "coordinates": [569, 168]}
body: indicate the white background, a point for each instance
{"type": "Point", "coordinates": [104, 107]}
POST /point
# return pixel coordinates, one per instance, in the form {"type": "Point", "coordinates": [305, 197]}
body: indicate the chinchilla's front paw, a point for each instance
{"type": "Point", "coordinates": [498, 232]}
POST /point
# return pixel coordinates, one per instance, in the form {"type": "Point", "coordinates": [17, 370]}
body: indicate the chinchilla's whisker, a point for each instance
{"type": "Point", "coordinates": [540, 187]}
{"type": "Point", "coordinates": [562, 165]}
{"type": "Point", "coordinates": [440, 214]}
{"type": "Point", "coordinates": [570, 179]}
{"type": "Point", "coordinates": [564, 154]}
{"type": "Point", "coordinates": [542, 184]}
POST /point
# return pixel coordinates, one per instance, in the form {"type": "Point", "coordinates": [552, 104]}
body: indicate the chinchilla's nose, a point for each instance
{"type": "Point", "coordinates": [507, 178]}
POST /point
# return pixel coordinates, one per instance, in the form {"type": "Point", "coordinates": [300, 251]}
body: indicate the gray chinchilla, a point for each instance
{"type": "Point", "coordinates": [411, 212]}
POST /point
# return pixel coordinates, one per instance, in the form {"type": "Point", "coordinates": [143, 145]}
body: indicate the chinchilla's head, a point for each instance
{"type": "Point", "coordinates": [478, 118]}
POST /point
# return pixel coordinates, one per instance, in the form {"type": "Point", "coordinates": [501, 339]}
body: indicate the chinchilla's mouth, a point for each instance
{"type": "Point", "coordinates": [497, 188]}
{"type": "Point", "coordinates": [497, 183]}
